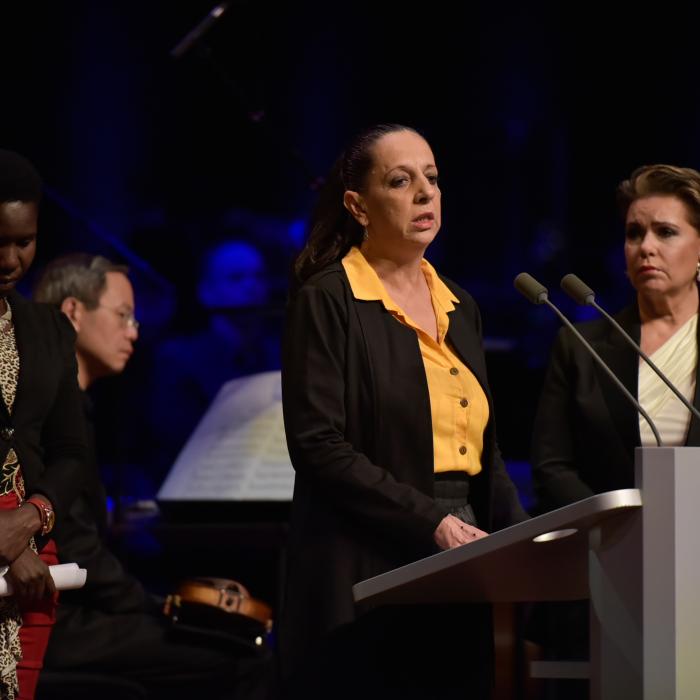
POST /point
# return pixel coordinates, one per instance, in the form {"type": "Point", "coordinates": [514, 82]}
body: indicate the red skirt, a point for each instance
{"type": "Point", "coordinates": [38, 617]}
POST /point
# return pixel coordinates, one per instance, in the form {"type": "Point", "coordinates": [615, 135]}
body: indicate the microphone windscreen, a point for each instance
{"type": "Point", "coordinates": [530, 288]}
{"type": "Point", "coordinates": [578, 290]}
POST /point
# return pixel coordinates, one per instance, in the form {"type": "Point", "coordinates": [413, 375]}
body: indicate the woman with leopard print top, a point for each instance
{"type": "Point", "coordinates": [42, 437]}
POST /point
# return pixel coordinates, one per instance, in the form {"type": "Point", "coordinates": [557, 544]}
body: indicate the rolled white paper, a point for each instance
{"type": "Point", "coordinates": [65, 577]}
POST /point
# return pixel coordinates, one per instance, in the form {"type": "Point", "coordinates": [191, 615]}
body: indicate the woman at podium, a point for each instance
{"type": "Point", "coordinates": [389, 424]}
{"type": "Point", "coordinates": [586, 430]}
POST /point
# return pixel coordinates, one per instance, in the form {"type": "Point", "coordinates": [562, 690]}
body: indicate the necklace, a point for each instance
{"type": "Point", "coordinates": [6, 319]}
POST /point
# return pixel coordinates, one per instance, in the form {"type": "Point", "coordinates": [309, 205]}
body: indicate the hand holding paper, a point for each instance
{"type": "Point", "coordinates": [65, 577]}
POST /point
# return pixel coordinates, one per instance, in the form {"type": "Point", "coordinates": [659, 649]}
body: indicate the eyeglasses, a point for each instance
{"type": "Point", "coordinates": [127, 318]}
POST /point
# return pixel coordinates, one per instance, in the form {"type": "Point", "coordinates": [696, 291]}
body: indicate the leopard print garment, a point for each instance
{"type": "Point", "coordinates": [10, 480]}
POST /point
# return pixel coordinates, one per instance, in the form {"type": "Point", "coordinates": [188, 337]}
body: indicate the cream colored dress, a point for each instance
{"type": "Point", "coordinates": [677, 358]}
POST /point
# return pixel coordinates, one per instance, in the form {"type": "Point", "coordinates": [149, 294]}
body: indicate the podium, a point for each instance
{"type": "Point", "coordinates": [633, 553]}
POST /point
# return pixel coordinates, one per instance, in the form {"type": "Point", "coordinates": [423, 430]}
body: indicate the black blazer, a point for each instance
{"type": "Point", "coordinates": [358, 424]}
{"type": "Point", "coordinates": [46, 427]}
{"type": "Point", "coordinates": [79, 537]}
{"type": "Point", "coordinates": [586, 430]}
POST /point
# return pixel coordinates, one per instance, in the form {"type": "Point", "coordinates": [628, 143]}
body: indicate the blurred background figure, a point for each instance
{"type": "Point", "coordinates": [236, 333]}
{"type": "Point", "coordinates": [233, 276]}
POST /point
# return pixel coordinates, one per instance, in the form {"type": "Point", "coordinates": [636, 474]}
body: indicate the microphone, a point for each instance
{"type": "Point", "coordinates": [530, 288]}
{"type": "Point", "coordinates": [537, 293]}
{"type": "Point", "coordinates": [193, 36]}
{"type": "Point", "coordinates": [582, 294]}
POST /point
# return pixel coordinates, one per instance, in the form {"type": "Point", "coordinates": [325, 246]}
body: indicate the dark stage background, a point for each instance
{"type": "Point", "coordinates": [534, 115]}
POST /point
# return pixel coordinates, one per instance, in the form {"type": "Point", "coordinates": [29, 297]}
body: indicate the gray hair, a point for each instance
{"type": "Point", "coordinates": [78, 275]}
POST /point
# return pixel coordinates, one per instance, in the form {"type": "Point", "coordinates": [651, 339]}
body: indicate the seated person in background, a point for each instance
{"type": "Point", "coordinates": [112, 625]}
{"type": "Point", "coordinates": [237, 336]}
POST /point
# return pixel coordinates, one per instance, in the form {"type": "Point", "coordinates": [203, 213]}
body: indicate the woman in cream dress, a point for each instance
{"type": "Point", "coordinates": [586, 430]}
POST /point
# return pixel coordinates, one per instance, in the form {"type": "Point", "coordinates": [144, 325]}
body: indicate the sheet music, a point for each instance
{"type": "Point", "coordinates": [238, 451]}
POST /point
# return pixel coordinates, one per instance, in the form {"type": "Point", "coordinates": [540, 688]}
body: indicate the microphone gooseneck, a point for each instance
{"type": "Point", "coordinates": [195, 35]}
{"type": "Point", "coordinates": [584, 295]}
{"type": "Point", "coordinates": [536, 293]}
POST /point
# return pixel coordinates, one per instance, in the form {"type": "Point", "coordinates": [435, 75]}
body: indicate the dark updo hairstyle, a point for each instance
{"type": "Point", "coordinates": [333, 230]}
{"type": "Point", "coordinates": [665, 180]}
{"type": "Point", "coordinates": [19, 180]}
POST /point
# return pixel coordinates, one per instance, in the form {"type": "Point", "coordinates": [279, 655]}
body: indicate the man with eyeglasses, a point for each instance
{"type": "Point", "coordinates": [98, 298]}
{"type": "Point", "coordinates": [113, 626]}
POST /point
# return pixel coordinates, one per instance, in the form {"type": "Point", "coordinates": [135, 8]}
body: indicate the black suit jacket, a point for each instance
{"type": "Point", "coordinates": [80, 538]}
{"type": "Point", "coordinates": [46, 427]}
{"type": "Point", "coordinates": [358, 424]}
{"type": "Point", "coordinates": [586, 430]}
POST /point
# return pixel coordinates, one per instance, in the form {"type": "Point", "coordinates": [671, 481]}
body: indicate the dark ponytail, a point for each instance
{"type": "Point", "coordinates": [333, 230]}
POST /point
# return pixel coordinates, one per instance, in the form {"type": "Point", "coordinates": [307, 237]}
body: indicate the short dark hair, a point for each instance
{"type": "Point", "coordinates": [671, 180]}
{"type": "Point", "coordinates": [19, 180]}
{"type": "Point", "coordinates": [79, 275]}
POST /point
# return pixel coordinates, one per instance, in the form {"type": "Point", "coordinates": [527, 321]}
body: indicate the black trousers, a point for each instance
{"type": "Point", "coordinates": [452, 495]}
{"type": "Point", "coordinates": [141, 647]}
{"type": "Point", "coordinates": [408, 651]}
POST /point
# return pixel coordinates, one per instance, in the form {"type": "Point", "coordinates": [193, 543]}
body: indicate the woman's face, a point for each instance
{"type": "Point", "coordinates": [662, 247]}
{"type": "Point", "coordinates": [18, 224]}
{"type": "Point", "coordinates": [400, 203]}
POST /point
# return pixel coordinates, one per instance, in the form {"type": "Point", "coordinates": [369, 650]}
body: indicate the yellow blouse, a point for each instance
{"type": "Point", "coordinates": [458, 405]}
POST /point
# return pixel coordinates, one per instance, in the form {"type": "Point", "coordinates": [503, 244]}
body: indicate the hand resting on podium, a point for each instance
{"type": "Point", "coordinates": [452, 532]}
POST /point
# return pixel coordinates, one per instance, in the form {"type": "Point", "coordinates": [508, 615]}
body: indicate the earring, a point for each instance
{"type": "Point", "coordinates": [365, 236]}
{"type": "Point", "coordinates": [697, 272]}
